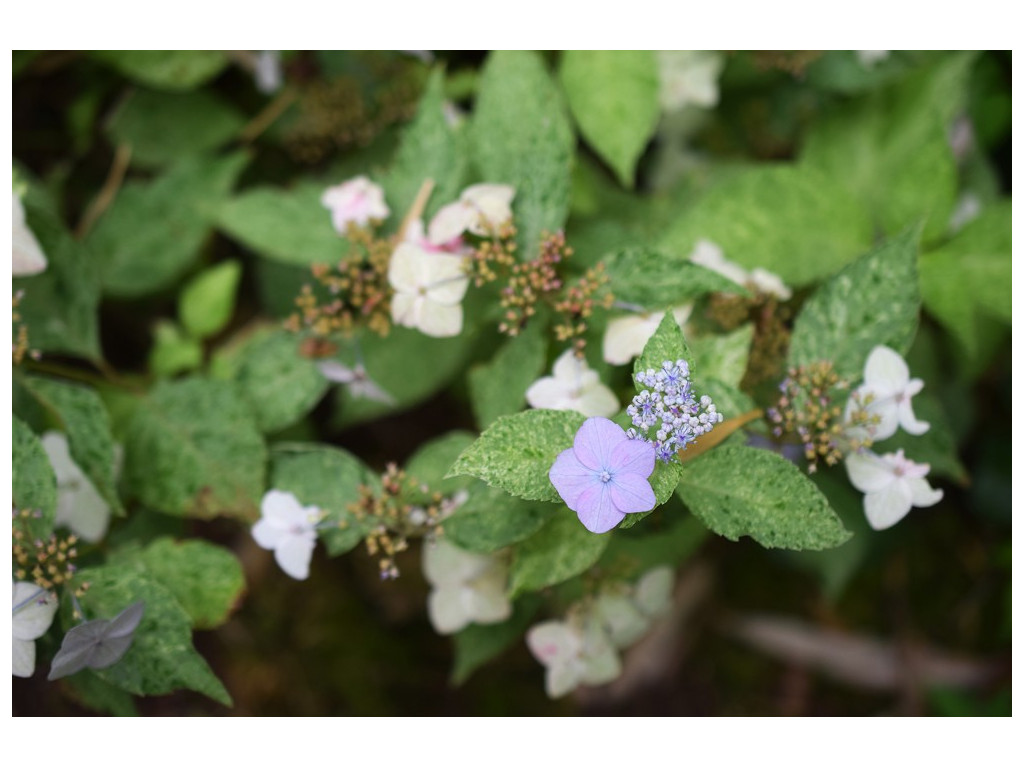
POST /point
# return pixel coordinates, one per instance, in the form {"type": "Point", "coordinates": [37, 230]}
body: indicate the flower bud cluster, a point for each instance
{"type": "Point", "coordinates": [670, 408]}
{"type": "Point", "coordinates": [19, 333]}
{"type": "Point", "coordinates": [48, 563]}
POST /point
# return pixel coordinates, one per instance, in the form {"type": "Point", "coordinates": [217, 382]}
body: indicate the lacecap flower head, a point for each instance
{"type": "Point", "coordinates": [356, 201]}
{"type": "Point", "coordinates": [603, 477]}
{"type": "Point", "coordinates": [573, 652]}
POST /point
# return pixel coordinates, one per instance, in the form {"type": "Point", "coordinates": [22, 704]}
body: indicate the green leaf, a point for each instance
{"type": "Point", "coordinates": [97, 694]}
{"type": "Point", "coordinates": [667, 343]}
{"type": "Point", "coordinates": [491, 519]}
{"type": "Point", "coordinates": [971, 276]}
{"type": "Point", "coordinates": [161, 658]}
{"type": "Point", "coordinates": [613, 95]}
{"type": "Point", "coordinates": [740, 491]}
{"type": "Point", "coordinates": [658, 279]}
{"type": "Point", "coordinates": [430, 149]}
{"type": "Point", "coordinates": [154, 230]}
{"type": "Point", "coordinates": [193, 449]}
{"type": "Point", "coordinates": [33, 483]}
{"type": "Point", "coordinates": [60, 307]}
{"type": "Point", "coordinates": [520, 135]}
{"type": "Point", "coordinates": [280, 384]}
{"type": "Point", "coordinates": [83, 418]}
{"type": "Point", "coordinates": [563, 548]}
{"type": "Point", "coordinates": [632, 555]}
{"type": "Point", "coordinates": [936, 447]}
{"type": "Point", "coordinates": [499, 387]}
{"type": "Point", "coordinates": [328, 478]}
{"type": "Point", "coordinates": [477, 644]}
{"type": "Point", "coordinates": [161, 128]}
{"type": "Point", "coordinates": [435, 457]}
{"type": "Point", "coordinates": [793, 221]}
{"type": "Point", "coordinates": [516, 452]}
{"type": "Point", "coordinates": [723, 356]}
{"type": "Point", "coordinates": [208, 300]}
{"type": "Point", "coordinates": [729, 400]}
{"type": "Point", "coordinates": [875, 300]}
{"type": "Point", "coordinates": [168, 70]}
{"type": "Point", "coordinates": [173, 352]}
{"type": "Point", "coordinates": [205, 579]}
{"type": "Point", "coordinates": [285, 225]}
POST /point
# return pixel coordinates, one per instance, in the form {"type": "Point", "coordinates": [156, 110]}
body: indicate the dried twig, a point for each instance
{"type": "Point", "coordinates": [107, 193]}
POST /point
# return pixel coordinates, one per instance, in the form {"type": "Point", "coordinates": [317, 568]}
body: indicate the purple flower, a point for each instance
{"type": "Point", "coordinates": [604, 475]}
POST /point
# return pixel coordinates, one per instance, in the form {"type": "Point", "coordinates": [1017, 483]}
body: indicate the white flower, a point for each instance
{"type": "Point", "coordinates": [467, 587]}
{"type": "Point", "coordinates": [626, 337]}
{"type": "Point", "coordinates": [887, 380]}
{"type": "Point", "coordinates": [33, 610]}
{"type": "Point", "coordinates": [29, 258]}
{"type": "Point", "coordinates": [482, 209]}
{"type": "Point", "coordinates": [573, 387]}
{"type": "Point", "coordinates": [359, 383]}
{"type": "Point", "coordinates": [428, 290]}
{"type": "Point", "coordinates": [573, 652]}
{"type": "Point", "coordinates": [289, 529]}
{"type": "Point", "coordinates": [626, 614]}
{"type": "Point", "coordinates": [689, 77]}
{"type": "Point", "coordinates": [267, 72]}
{"type": "Point", "coordinates": [710, 256]}
{"type": "Point", "coordinates": [891, 485]}
{"type": "Point", "coordinates": [357, 200]}
{"type": "Point", "coordinates": [868, 59]}
{"type": "Point", "coordinates": [79, 505]}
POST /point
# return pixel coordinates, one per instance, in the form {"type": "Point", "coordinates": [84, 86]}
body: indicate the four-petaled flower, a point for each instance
{"type": "Point", "coordinates": [572, 387]}
{"type": "Point", "coordinates": [891, 485]}
{"type": "Point", "coordinates": [28, 258]}
{"type": "Point", "coordinates": [626, 612]}
{"type": "Point", "coordinates": [428, 290]}
{"type": "Point", "coordinates": [289, 529]}
{"type": "Point", "coordinates": [97, 644]}
{"type": "Point", "coordinates": [689, 77]}
{"type": "Point", "coordinates": [33, 610]}
{"type": "Point", "coordinates": [482, 209]}
{"type": "Point", "coordinates": [359, 383]}
{"type": "Point", "coordinates": [710, 256]}
{"type": "Point", "coordinates": [887, 380]}
{"type": "Point", "coordinates": [79, 505]}
{"type": "Point", "coordinates": [626, 337]}
{"type": "Point", "coordinates": [603, 477]}
{"type": "Point", "coordinates": [466, 587]}
{"type": "Point", "coordinates": [573, 652]}
{"type": "Point", "coordinates": [356, 201]}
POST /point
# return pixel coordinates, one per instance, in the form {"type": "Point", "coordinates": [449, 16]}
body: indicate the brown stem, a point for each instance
{"type": "Point", "coordinates": [417, 207]}
{"type": "Point", "coordinates": [718, 434]}
{"type": "Point", "coordinates": [122, 156]}
{"type": "Point", "coordinates": [267, 116]}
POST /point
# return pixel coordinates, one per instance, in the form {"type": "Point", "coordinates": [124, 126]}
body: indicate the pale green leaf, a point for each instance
{"type": "Point", "coordinates": [563, 548]}
{"type": "Point", "coordinates": [208, 299]}
{"type": "Point", "coordinates": [167, 70]}
{"type": "Point", "coordinates": [173, 352]}
{"type": "Point", "coordinates": [499, 387]}
{"type": "Point", "coordinates": [434, 458]}
{"type": "Point", "coordinates": [723, 356]}
{"type": "Point", "coordinates": [33, 483]}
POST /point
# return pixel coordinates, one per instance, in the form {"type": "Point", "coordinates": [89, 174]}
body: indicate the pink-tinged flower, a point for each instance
{"type": "Point", "coordinates": [891, 485]}
{"type": "Point", "coordinates": [573, 652]}
{"type": "Point", "coordinates": [603, 477]}
{"type": "Point", "coordinates": [416, 234]}
{"type": "Point", "coordinates": [289, 529]}
{"type": "Point", "coordinates": [357, 200]}
{"type": "Point", "coordinates": [482, 209]}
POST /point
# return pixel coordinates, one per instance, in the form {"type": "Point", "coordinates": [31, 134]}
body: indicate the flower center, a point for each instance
{"type": "Point", "coordinates": [605, 476]}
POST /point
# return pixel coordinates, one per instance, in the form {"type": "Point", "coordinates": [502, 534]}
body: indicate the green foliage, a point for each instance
{"type": "Point", "coordinates": [81, 415]}
{"type": "Point", "coordinates": [161, 128]}
{"type": "Point", "coordinates": [790, 220]}
{"type": "Point", "coordinates": [613, 96]}
{"type": "Point", "coordinates": [193, 448]}
{"type": "Point", "coordinates": [661, 278]}
{"type": "Point", "coordinates": [279, 384]}
{"type": "Point", "coordinates": [491, 519]}
{"type": "Point", "coordinates": [499, 387]}
{"type": "Point", "coordinates": [667, 343]}
{"type": "Point", "coordinates": [208, 299]}
{"type": "Point", "coordinates": [161, 658]}
{"type": "Point", "coordinates": [875, 300]}
{"type": "Point", "coordinates": [433, 459]}
{"type": "Point", "coordinates": [33, 484]}
{"type": "Point", "coordinates": [723, 356]}
{"type": "Point", "coordinates": [154, 231]}
{"type": "Point", "coordinates": [935, 447]}
{"type": "Point", "coordinates": [478, 644]}
{"type": "Point", "coordinates": [173, 351]}
{"type": "Point", "coordinates": [328, 478]}
{"type": "Point", "coordinates": [516, 452]}
{"type": "Point", "coordinates": [739, 491]}
{"type": "Point", "coordinates": [95, 693]}
{"type": "Point", "coordinates": [672, 544]}
{"type": "Point", "coordinates": [167, 70]}
{"type": "Point", "coordinates": [520, 135]}
{"type": "Point", "coordinates": [205, 579]}
{"type": "Point", "coordinates": [563, 548]}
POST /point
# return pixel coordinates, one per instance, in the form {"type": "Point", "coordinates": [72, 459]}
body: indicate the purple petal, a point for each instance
{"type": "Point", "coordinates": [633, 456]}
{"type": "Point", "coordinates": [595, 441]}
{"type": "Point", "coordinates": [632, 493]}
{"type": "Point", "coordinates": [596, 510]}
{"type": "Point", "coordinates": [571, 478]}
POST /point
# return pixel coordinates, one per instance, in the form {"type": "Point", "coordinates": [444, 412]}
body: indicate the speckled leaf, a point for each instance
{"type": "Point", "coordinates": [161, 658]}
{"type": "Point", "coordinates": [723, 356]}
{"type": "Point", "coordinates": [740, 491]}
{"type": "Point", "coordinates": [875, 300]}
{"type": "Point", "coordinates": [613, 96]}
{"type": "Point", "coordinates": [793, 221]}
{"type": "Point", "coordinates": [516, 452]}
{"type": "Point", "coordinates": [168, 70]}
{"type": "Point", "coordinates": [499, 387]}
{"type": "Point", "coordinates": [491, 519]}
{"type": "Point", "coordinates": [667, 343]}
{"type": "Point", "coordinates": [434, 458]}
{"type": "Point", "coordinates": [33, 484]}
{"type": "Point", "coordinates": [479, 643]}
{"type": "Point", "coordinates": [279, 384]}
{"type": "Point", "coordinates": [193, 449]}
{"type": "Point", "coordinates": [520, 135]}
{"type": "Point", "coordinates": [84, 419]}
{"type": "Point", "coordinates": [208, 299]}
{"type": "Point", "coordinates": [205, 579]}
{"type": "Point", "coordinates": [326, 477]}
{"type": "Point", "coordinates": [563, 548]}
{"type": "Point", "coordinates": [659, 279]}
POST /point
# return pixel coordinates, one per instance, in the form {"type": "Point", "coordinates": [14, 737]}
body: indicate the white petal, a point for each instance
{"type": "Point", "coordinates": [56, 446]}
{"type": "Point", "coordinates": [28, 258]}
{"type": "Point", "coordinates": [489, 603]}
{"type": "Point", "coordinates": [282, 510]}
{"type": "Point", "coordinates": [548, 392]}
{"type": "Point", "coordinates": [35, 610]}
{"type": "Point", "coordinates": [710, 256]}
{"type": "Point", "coordinates": [444, 564]}
{"type": "Point", "coordinates": [569, 368]}
{"type": "Point", "coordinates": [769, 282]}
{"type": "Point", "coordinates": [908, 421]}
{"type": "Point", "coordinates": [24, 662]}
{"type": "Point", "coordinates": [869, 473]}
{"type": "Point", "coordinates": [407, 271]}
{"type": "Point", "coordinates": [440, 320]}
{"type": "Point", "coordinates": [886, 507]}
{"type": "Point", "coordinates": [885, 372]}
{"type": "Point", "coordinates": [554, 642]}
{"type": "Point", "coordinates": [601, 662]}
{"type": "Point", "coordinates": [83, 510]}
{"type": "Point", "coordinates": [562, 678]}
{"type": "Point", "coordinates": [597, 400]}
{"type": "Point", "coordinates": [268, 535]}
{"type": "Point", "coordinates": [448, 282]}
{"type": "Point", "coordinates": [484, 194]}
{"type": "Point", "coordinates": [293, 554]}
{"type": "Point", "coordinates": [406, 309]}
{"type": "Point", "coordinates": [334, 371]}
{"type": "Point", "coordinates": [888, 414]}
{"type": "Point", "coordinates": [621, 618]}
{"type": "Point", "coordinates": [450, 222]}
{"type": "Point", "coordinates": [922, 494]}
{"type": "Point", "coordinates": [654, 590]}
{"type": "Point", "coordinates": [682, 314]}
{"type": "Point", "coordinates": [625, 337]}
{"type": "Point", "coordinates": [447, 609]}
